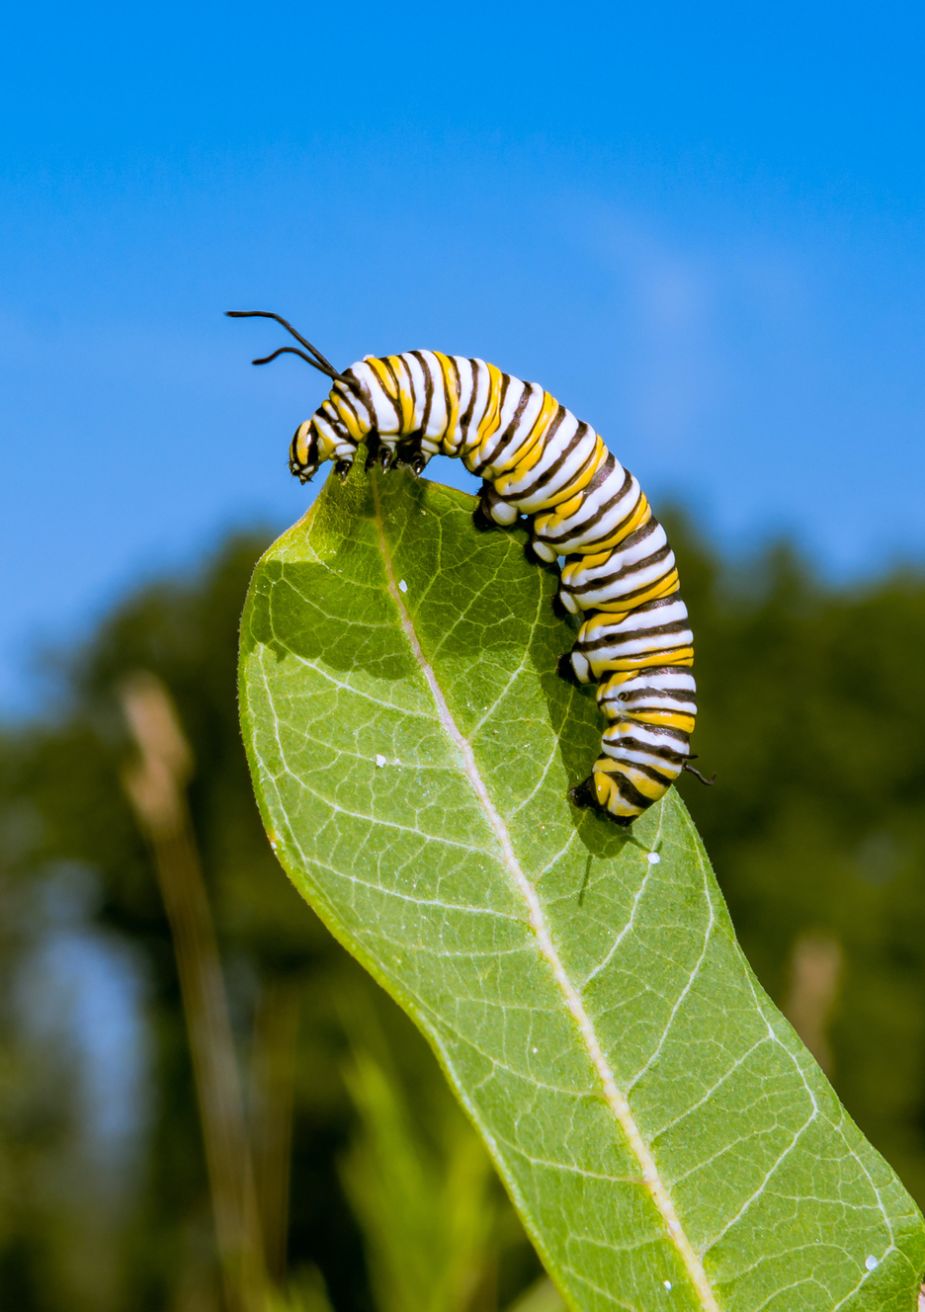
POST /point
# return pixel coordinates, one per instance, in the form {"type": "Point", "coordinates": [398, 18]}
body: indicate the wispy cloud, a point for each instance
{"type": "Point", "coordinates": [690, 312]}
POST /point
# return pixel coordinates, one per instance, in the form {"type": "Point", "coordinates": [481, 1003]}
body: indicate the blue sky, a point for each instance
{"type": "Point", "coordinates": [700, 226]}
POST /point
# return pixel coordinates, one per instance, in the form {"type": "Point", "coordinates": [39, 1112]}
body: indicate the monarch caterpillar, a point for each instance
{"type": "Point", "coordinates": [536, 459]}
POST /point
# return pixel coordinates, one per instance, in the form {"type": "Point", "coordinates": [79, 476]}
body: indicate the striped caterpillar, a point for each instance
{"type": "Point", "coordinates": [536, 459]}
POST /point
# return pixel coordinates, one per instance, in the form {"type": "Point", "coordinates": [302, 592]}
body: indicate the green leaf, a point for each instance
{"type": "Point", "coordinates": [666, 1138]}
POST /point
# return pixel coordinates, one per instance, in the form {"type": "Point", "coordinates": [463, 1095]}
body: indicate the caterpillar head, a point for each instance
{"type": "Point", "coordinates": [306, 451]}
{"type": "Point", "coordinates": [310, 446]}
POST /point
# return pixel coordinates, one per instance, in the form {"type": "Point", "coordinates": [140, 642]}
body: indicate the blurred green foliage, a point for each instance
{"type": "Point", "coordinates": [374, 1192]}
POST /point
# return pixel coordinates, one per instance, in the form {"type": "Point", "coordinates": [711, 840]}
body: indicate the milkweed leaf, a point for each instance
{"type": "Point", "coordinates": [667, 1140]}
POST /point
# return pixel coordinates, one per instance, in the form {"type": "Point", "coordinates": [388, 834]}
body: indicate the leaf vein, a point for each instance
{"type": "Point", "coordinates": [616, 1100]}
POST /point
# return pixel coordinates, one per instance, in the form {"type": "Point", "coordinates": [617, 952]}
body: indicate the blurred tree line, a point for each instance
{"type": "Point", "coordinates": [365, 1187]}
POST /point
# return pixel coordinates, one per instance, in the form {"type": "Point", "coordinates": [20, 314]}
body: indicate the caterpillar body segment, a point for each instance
{"type": "Point", "coordinates": [535, 458]}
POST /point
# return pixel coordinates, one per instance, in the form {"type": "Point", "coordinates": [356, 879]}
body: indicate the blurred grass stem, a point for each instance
{"type": "Point", "coordinates": [276, 1030]}
{"type": "Point", "coordinates": [155, 785]}
{"type": "Point", "coordinates": [816, 967]}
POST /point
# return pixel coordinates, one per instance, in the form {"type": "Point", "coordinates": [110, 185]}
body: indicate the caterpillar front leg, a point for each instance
{"type": "Point", "coordinates": [409, 451]}
{"type": "Point", "coordinates": [381, 451]}
{"type": "Point", "coordinates": [373, 447]}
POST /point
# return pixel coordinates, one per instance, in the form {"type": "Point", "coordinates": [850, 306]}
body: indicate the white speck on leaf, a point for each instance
{"type": "Point", "coordinates": [653, 858]}
{"type": "Point", "coordinates": [402, 586]}
{"type": "Point", "coordinates": [667, 1284]}
{"type": "Point", "coordinates": [871, 1263]}
{"type": "Point", "coordinates": [380, 760]}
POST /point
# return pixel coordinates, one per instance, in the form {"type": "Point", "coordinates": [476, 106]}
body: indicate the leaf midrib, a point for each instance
{"type": "Point", "coordinates": [616, 1101]}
